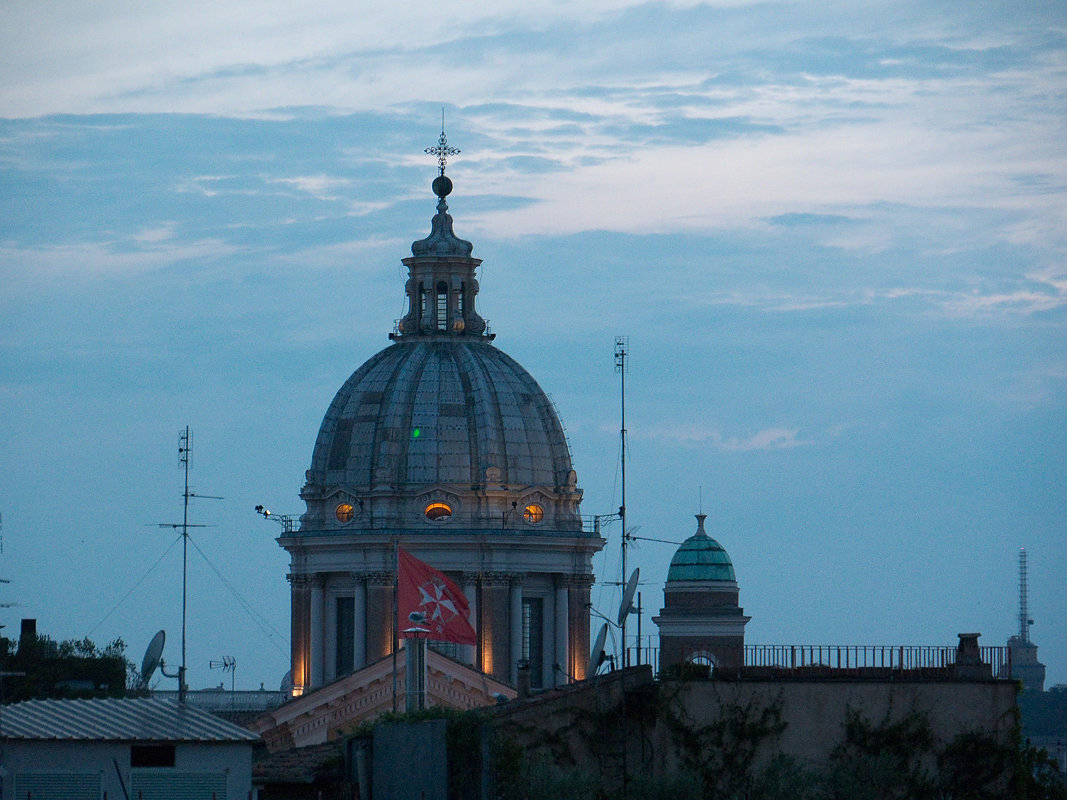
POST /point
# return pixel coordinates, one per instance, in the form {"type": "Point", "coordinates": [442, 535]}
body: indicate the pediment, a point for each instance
{"type": "Point", "coordinates": [334, 710]}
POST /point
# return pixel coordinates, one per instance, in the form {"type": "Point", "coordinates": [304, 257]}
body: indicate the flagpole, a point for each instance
{"type": "Point", "coordinates": [396, 625]}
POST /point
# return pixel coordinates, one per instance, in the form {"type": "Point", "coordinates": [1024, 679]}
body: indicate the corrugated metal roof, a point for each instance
{"type": "Point", "coordinates": [116, 719]}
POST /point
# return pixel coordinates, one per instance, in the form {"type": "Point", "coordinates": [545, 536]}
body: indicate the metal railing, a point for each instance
{"type": "Point", "coordinates": [880, 658]}
{"type": "Point", "coordinates": [223, 700]}
{"type": "Point", "coordinates": [849, 660]}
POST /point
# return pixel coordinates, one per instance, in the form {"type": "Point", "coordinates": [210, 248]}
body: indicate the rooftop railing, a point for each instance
{"type": "Point", "coordinates": [223, 700]}
{"type": "Point", "coordinates": [872, 661]}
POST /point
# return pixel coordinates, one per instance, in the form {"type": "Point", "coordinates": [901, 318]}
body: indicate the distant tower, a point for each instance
{"type": "Point", "coordinates": [1024, 617]}
{"type": "Point", "coordinates": [1024, 664]}
{"type": "Point", "coordinates": [701, 621]}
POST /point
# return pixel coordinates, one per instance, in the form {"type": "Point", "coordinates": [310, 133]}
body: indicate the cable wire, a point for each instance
{"type": "Point", "coordinates": [133, 589]}
{"type": "Point", "coordinates": [261, 622]}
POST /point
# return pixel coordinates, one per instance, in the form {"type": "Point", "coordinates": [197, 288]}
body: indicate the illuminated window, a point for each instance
{"type": "Point", "coordinates": [533, 513]}
{"type": "Point", "coordinates": [344, 512]}
{"type": "Point", "coordinates": [438, 512]}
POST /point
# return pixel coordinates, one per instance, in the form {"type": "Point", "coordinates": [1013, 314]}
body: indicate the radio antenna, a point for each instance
{"type": "Point", "coordinates": [622, 344]}
{"type": "Point", "coordinates": [185, 457]}
{"type": "Point", "coordinates": [1024, 613]}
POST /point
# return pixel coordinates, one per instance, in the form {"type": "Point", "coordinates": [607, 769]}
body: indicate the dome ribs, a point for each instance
{"type": "Point", "coordinates": [488, 424]}
{"type": "Point", "coordinates": [448, 416]}
{"type": "Point", "coordinates": [400, 416]}
{"type": "Point", "coordinates": [474, 459]}
{"type": "Point", "coordinates": [332, 452]}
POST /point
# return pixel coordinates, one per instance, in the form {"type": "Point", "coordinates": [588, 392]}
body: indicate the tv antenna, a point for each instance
{"type": "Point", "coordinates": [227, 664]}
{"type": "Point", "coordinates": [185, 457]}
{"type": "Point", "coordinates": [622, 344]}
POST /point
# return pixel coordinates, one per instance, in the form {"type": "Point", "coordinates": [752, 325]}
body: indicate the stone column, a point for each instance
{"type": "Point", "coordinates": [515, 639]}
{"type": "Point", "coordinates": [578, 644]}
{"type": "Point", "coordinates": [299, 590]}
{"type": "Point", "coordinates": [469, 652]}
{"type": "Point", "coordinates": [379, 615]}
{"type": "Point", "coordinates": [359, 616]}
{"type": "Point", "coordinates": [318, 639]}
{"type": "Point", "coordinates": [562, 627]}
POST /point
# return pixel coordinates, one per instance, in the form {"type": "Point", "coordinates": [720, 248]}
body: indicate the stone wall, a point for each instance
{"type": "Point", "coordinates": [658, 729]}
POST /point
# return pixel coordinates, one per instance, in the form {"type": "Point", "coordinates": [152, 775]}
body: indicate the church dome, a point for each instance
{"type": "Point", "coordinates": [441, 430]}
{"type": "Point", "coordinates": [700, 558]}
{"type": "Point", "coordinates": [441, 411]}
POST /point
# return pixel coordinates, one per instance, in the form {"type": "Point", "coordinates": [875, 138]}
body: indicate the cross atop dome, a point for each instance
{"type": "Point", "coordinates": [441, 285]}
{"type": "Point", "coordinates": [442, 149]}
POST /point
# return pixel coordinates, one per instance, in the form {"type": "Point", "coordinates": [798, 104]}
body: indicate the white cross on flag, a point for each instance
{"type": "Point", "coordinates": [429, 605]}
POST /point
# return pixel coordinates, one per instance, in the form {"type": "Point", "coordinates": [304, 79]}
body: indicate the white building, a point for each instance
{"type": "Point", "coordinates": [141, 748]}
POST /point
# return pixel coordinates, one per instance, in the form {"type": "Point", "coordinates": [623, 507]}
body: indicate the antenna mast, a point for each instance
{"type": "Point", "coordinates": [1024, 616]}
{"type": "Point", "coordinates": [185, 452]}
{"type": "Point", "coordinates": [622, 343]}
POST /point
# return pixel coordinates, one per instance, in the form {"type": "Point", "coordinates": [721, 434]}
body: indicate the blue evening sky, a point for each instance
{"type": "Point", "coordinates": [834, 234]}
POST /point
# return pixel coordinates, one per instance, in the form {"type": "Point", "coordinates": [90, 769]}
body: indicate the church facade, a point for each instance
{"type": "Point", "coordinates": [445, 445]}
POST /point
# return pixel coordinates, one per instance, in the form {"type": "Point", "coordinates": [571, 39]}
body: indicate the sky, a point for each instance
{"type": "Point", "coordinates": [833, 233]}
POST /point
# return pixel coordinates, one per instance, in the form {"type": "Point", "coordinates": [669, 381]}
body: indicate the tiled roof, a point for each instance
{"type": "Point", "coordinates": [116, 719]}
{"type": "Point", "coordinates": [301, 764]}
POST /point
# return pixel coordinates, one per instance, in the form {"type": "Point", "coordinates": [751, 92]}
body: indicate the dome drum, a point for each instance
{"type": "Point", "coordinates": [351, 512]}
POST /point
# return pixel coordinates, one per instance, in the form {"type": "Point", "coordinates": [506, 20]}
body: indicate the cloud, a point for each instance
{"type": "Point", "coordinates": [323, 187]}
{"type": "Point", "coordinates": [768, 439]}
{"type": "Point", "coordinates": [147, 251]}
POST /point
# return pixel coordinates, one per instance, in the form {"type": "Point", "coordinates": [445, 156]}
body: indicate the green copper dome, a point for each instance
{"type": "Point", "coordinates": [700, 558]}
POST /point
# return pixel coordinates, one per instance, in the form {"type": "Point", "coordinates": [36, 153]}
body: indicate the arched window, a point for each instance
{"type": "Point", "coordinates": [442, 306]}
{"type": "Point", "coordinates": [533, 514]}
{"type": "Point", "coordinates": [704, 659]}
{"type": "Point", "coordinates": [438, 512]}
{"type": "Point", "coordinates": [422, 303]}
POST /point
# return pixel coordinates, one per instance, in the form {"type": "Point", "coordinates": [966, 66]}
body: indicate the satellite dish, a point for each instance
{"type": "Point", "coordinates": [152, 656]}
{"type": "Point", "coordinates": [596, 657]}
{"type": "Point", "coordinates": [628, 595]}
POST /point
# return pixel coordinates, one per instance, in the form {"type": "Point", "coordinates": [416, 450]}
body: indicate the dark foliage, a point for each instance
{"type": "Point", "coordinates": [69, 669]}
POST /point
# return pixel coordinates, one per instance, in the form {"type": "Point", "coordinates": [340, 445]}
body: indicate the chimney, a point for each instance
{"type": "Point", "coordinates": [524, 679]}
{"type": "Point", "coordinates": [28, 635]}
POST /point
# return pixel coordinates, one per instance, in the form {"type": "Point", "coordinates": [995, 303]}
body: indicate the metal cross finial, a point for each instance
{"type": "Point", "coordinates": [442, 150]}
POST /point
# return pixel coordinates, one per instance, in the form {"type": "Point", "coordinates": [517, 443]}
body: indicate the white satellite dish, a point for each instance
{"type": "Point", "coordinates": [596, 657]}
{"type": "Point", "coordinates": [628, 596]}
{"type": "Point", "coordinates": [152, 656]}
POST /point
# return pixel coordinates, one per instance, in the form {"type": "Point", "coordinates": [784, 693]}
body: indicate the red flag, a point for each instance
{"type": "Point", "coordinates": [429, 605]}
